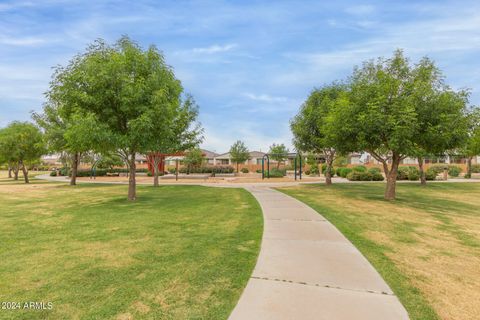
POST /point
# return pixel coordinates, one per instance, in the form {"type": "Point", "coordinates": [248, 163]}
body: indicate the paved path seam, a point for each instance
{"type": "Point", "coordinates": [301, 261]}
{"type": "Point", "coordinates": [321, 285]}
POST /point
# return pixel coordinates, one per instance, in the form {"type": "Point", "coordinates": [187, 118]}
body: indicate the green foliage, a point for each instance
{"type": "Point", "coordinates": [193, 158]}
{"type": "Point", "coordinates": [53, 173]}
{"type": "Point", "coordinates": [324, 170]}
{"type": "Point", "coordinates": [207, 169]}
{"type": "Point", "coordinates": [408, 173]}
{"type": "Point", "coordinates": [475, 168]}
{"type": "Point", "coordinates": [110, 160]}
{"type": "Point", "coordinates": [431, 174]}
{"type": "Point", "coordinates": [244, 170]}
{"type": "Point", "coordinates": [340, 161]}
{"type": "Point", "coordinates": [313, 165]}
{"type": "Point", "coordinates": [364, 176]}
{"type": "Point", "coordinates": [239, 152]}
{"type": "Point", "coordinates": [359, 168]}
{"type": "Point", "coordinates": [21, 144]}
{"type": "Point", "coordinates": [454, 171]}
{"type": "Point", "coordinates": [276, 173]}
{"type": "Point", "coordinates": [278, 152]}
{"type": "Point", "coordinates": [374, 170]}
{"type": "Point", "coordinates": [343, 172]}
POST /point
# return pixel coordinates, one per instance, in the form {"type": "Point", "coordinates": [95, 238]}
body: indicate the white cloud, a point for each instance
{"type": "Point", "coordinates": [19, 41]}
{"type": "Point", "coordinates": [214, 49]}
{"type": "Point", "coordinates": [265, 98]}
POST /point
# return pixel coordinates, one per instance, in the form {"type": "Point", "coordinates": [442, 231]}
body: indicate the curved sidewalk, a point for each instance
{"type": "Point", "coordinates": [308, 270]}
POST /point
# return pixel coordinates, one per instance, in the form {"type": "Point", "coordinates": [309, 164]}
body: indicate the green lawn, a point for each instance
{"type": "Point", "coordinates": [426, 245]}
{"type": "Point", "coordinates": [179, 252]}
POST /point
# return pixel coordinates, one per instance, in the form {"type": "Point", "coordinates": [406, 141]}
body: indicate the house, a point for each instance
{"type": "Point", "coordinates": [255, 158]}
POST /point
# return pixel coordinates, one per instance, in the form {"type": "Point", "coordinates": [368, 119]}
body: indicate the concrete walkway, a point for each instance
{"type": "Point", "coordinates": [308, 270]}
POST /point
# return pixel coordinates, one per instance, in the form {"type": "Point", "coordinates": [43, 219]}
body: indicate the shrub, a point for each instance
{"type": "Point", "coordinates": [314, 169]}
{"type": "Point", "coordinates": [276, 173]}
{"type": "Point", "coordinates": [454, 171]}
{"type": "Point", "coordinates": [53, 173]}
{"type": "Point", "coordinates": [430, 174]}
{"type": "Point", "coordinates": [172, 170]}
{"type": "Point", "coordinates": [307, 172]}
{"type": "Point", "coordinates": [64, 171]}
{"type": "Point", "coordinates": [467, 175]}
{"type": "Point", "coordinates": [475, 168]}
{"type": "Point", "coordinates": [324, 170]}
{"type": "Point", "coordinates": [244, 170]}
{"type": "Point", "coordinates": [343, 172]}
{"type": "Point", "coordinates": [207, 169]}
{"type": "Point", "coordinates": [258, 171]}
{"type": "Point", "coordinates": [438, 168]}
{"type": "Point", "coordinates": [377, 176]}
{"type": "Point", "coordinates": [374, 170]}
{"type": "Point", "coordinates": [365, 176]}
{"type": "Point", "coordinates": [360, 169]}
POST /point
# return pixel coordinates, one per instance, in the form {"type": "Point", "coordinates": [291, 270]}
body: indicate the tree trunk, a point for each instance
{"type": "Point", "coordinates": [423, 177]}
{"type": "Point", "coordinates": [392, 178]}
{"type": "Point", "coordinates": [237, 167]}
{"type": "Point", "coordinates": [328, 172]}
{"type": "Point", "coordinates": [132, 183]}
{"type": "Point", "coordinates": [75, 163]}
{"type": "Point", "coordinates": [469, 167]}
{"type": "Point", "coordinates": [9, 171]}
{"type": "Point", "coordinates": [15, 172]}
{"type": "Point", "coordinates": [25, 172]}
{"type": "Point", "coordinates": [155, 173]}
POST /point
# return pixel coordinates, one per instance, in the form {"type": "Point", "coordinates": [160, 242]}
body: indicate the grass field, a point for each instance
{"type": "Point", "coordinates": [426, 245]}
{"type": "Point", "coordinates": [179, 252]}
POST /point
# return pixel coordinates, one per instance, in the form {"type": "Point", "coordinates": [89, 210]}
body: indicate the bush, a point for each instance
{"type": "Point", "coordinates": [172, 170]}
{"type": "Point", "coordinates": [454, 171]}
{"type": "Point", "coordinates": [324, 170]}
{"type": "Point", "coordinates": [244, 170]}
{"type": "Point", "coordinates": [360, 169]}
{"type": "Point", "coordinates": [475, 168]}
{"type": "Point", "coordinates": [430, 174]}
{"type": "Point", "coordinates": [53, 173]}
{"type": "Point", "coordinates": [364, 176]}
{"type": "Point", "coordinates": [307, 172]}
{"type": "Point", "coordinates": [208, 169]}
{"type": "Point", "coordinates": [64, 171]}
{"type": "Point", "coordinates": [343, 172]}
{"type": "Point", "coordinates": [276, 173]}
{"type": "Point", "coordinates": [374, 170]}
{"type": "Point", "coordinates": [314, 169]}
{"type": "Point", "coordinates": [258, 171]}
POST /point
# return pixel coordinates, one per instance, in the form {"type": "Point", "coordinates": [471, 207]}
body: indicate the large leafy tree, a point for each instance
{"type": "Point", "coordinates": [239, 153]}
{"type": "Point", "coordinates": [313, 129]}
{"type": "Point", "coordinates": [132, 92]}
{"type": "Point", "coordinates": [279, 153]}
{"type": "Point", "coordinates": [440, 113]}
{"type": "Point", "coordinates": [381, 117]}
{"type": "Point", "coordinates": [173, 128]}
{"type": "Point", "coordinates": [193, 158]}
{"type": "Point", "coordinates": [22, 144]}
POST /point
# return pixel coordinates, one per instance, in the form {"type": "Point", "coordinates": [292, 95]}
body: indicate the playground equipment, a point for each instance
{"type": "Point", "coordinates": [298, 158]}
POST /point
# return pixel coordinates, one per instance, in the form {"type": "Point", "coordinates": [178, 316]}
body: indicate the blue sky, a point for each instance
{"type": "Point", "coordinates": [249, 64]}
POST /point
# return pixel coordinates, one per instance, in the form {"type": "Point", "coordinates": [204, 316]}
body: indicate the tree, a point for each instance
{"type": "Point", "coordinates": [69, 130]}
{"type": "Point", "coordinates": [383, 118]}
{"type": "Point", "coordinates": [313, 129]}
{"type": "Point", "coordinates": [279, 153]}
{"type": "Point", "coordinates": [193, 159]}
{"type": "Point", "coordinates": [472, 145]}
{"type": "Point", "coordinates": [21, 144]}
{"type": "Point", "coordinates": [239, 153]}
{"type": "Point", "coordinates": [132, 92]}
{"type": "Point", "coordinates": [442, 124]}
{"type": "Point", "coordinates": [174, 130]}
